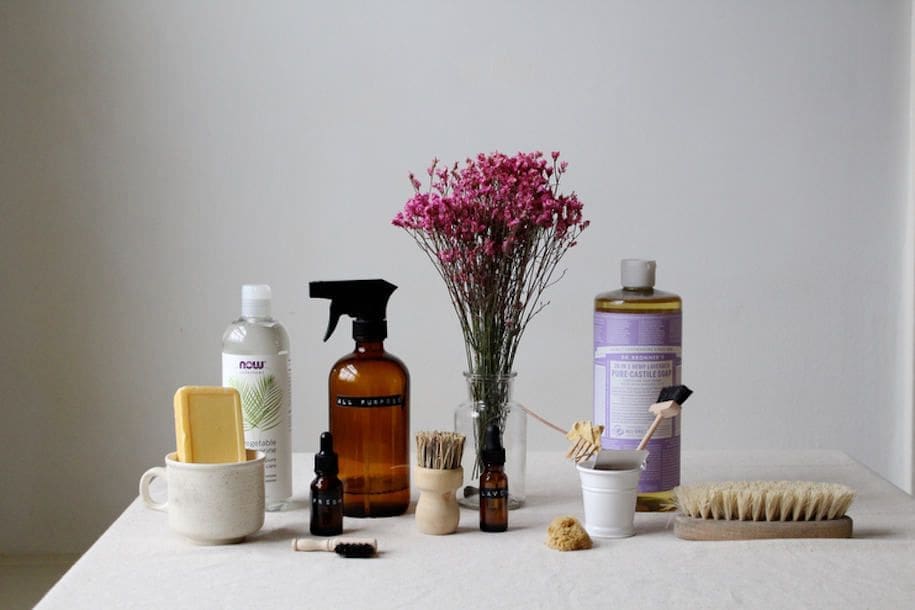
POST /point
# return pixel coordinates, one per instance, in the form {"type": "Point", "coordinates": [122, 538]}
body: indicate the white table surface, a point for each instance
{"type": "Point", "coordinates": [139, 563]}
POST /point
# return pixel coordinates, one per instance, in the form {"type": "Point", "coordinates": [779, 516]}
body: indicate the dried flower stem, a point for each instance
{"type": "Point", "coordinates": [495, 231]}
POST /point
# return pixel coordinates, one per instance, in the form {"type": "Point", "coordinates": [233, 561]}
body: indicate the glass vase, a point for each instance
{"type": "Point", "coordinates": [489, 400]}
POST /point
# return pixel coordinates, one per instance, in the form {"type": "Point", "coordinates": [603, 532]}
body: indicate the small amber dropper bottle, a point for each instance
{"type": "Point", "coordinates": [326, 492]}
{"type": "Point", "coordinates": [493, 483]}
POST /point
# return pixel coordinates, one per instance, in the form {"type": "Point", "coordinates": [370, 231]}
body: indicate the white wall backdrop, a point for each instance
{"type": "Point", "coordinates": [156, 155]}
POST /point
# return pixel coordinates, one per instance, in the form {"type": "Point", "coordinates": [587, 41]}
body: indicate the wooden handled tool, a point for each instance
{"type": "Point", "coordinates": [669, 405]}
{"type": "Point", "coordinates": [584, 435]}
{"type": "Point", "coordinates": [662, 410]}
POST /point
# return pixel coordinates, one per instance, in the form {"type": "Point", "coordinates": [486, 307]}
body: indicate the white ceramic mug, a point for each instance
{"type": "Point", "coordinates": [609, 492]}
{"type": "Point", "coordinates": [210, 503]}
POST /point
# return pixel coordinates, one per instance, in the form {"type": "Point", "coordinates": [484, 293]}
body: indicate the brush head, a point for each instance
{"type": "Point", "coordinates": [439, 450]}
{"type": "Point", "coordinates": [666, 409]}
{"type": "Point", "coordinates": [585, 438]}
{"type": "Point", "coordinates": [676, 393]}
{"type": "Point", "coordinates": [765, 500]}
{"type": "Point", "coordinates": [354, 550]}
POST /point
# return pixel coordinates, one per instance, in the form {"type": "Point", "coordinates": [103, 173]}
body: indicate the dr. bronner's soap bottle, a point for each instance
{"type": "Point", "coordinates": [369, 398]}
{"type": "Point", "coordinates": [255, 361]}
{"type": "Point", "coordinates": [637, 351]}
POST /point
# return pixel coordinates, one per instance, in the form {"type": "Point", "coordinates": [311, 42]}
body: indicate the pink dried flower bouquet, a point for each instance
{"type": "Point", "coordinates": [495, 229]}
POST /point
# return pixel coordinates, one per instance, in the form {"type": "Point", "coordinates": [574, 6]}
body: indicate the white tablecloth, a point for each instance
{"type": "Point", "coordinates": [140, 563]}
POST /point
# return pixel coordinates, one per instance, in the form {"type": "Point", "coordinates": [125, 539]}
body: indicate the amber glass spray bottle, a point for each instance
{"type": "Point", "coordinates": [493, 483]}
{"type": "Point", "coordinates": [369, 396]}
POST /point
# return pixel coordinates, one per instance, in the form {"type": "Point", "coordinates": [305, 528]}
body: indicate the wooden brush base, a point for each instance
{"type": "Point", "coordinates": [691, 528]}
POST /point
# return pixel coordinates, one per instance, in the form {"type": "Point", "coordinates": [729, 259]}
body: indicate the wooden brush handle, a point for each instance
{"type": "Point", "coordinates": [543, 421]}
{"type": "Point", "coordinates": [651, 429]}
{"type": "Point", "coordinates": [691, 528]}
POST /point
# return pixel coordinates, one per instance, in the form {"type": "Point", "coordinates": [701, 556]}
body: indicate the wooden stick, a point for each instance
{"type": "Point", "coordinates": [651, 429]}
{"type": "Point", "coordinates": [662, 410]}
{"type": "Point", "coordinates": [542, 420]}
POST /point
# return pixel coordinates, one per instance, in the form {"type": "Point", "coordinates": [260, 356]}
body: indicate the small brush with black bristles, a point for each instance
{"type": "Point", "coordinates": [669, 402]}
{"type": "Point", "coordinates": [354, 549]}
{"type": "Point", "coordinates": [345, 547]}
{"type": "Point", "coordinates": [676, 393]}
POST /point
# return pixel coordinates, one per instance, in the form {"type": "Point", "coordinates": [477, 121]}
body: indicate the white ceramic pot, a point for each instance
{"type": "Point", "coordinates": [211, 503]}
{"type": "Point", "coordinates": [609, 492]}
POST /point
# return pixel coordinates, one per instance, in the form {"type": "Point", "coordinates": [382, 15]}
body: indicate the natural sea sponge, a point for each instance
{"type": "Point", "coordinates": [567, 534]}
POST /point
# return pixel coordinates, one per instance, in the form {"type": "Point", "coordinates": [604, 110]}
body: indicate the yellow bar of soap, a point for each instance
{"type": "Point", "coordinates": [208, 425]}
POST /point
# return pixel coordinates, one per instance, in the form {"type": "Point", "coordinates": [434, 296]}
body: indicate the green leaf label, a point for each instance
{"type": "Point", "coordinates": [261, 400]}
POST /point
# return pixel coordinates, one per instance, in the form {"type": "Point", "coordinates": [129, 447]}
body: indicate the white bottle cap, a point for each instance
{"type": "Point", "coordinates": [637, 273]}
{"type": "Point", "coordinates": [255, 301]}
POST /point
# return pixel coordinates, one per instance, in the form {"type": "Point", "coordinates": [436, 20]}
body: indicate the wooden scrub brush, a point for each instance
{"type": "Point", "coordinates": [437, 475]}
{"type": "Point", "coordinates": [584, 436]}
{"type": "Point", "coordinates": [745, 510]}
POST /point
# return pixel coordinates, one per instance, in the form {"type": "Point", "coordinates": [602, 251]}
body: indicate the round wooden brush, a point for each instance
{"type": "Point", "coordinates": [437, 475]}
{"type": "Point", "coordinates": [741, 510]}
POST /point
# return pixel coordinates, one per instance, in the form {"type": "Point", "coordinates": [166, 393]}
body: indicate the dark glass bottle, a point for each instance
{"type": "Point", "coordinates": [370, 418]}
{"type": "Point", "coordinates": [493, 483]}
{"type": "Point", "coordinates": [326, 492]}
{"type": "Point", "coordinates": [369, 396]}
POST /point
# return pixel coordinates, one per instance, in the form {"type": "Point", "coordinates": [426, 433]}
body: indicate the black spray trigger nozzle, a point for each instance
{"type": "Point", "coordinates": [365, 301]}
{"type": "Point", "coordinates": [336, 311]}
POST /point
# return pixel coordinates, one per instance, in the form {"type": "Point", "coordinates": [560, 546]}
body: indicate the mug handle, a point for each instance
{"type": "Point", "coordinates": [145, 480]}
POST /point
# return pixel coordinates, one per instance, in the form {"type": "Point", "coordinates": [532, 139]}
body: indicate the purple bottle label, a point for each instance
{"type": "Point", "coordinates": [635, 355]}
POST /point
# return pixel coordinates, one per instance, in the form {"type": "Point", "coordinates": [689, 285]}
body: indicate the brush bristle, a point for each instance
{"type": "Point", "coordinates": [765, 500]}
{"type": "Point", "coordinates": [349, 550]}
{"type": "Point", "coordinates": [676, 393]}
{"type": "Point", "coordinates": [439, 450]}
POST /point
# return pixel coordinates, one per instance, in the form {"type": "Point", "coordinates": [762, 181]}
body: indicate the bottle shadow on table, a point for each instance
{"type": "Point", "coordinates": [874, 532]}
{"type": "Point", "coordinates": [277, 534]}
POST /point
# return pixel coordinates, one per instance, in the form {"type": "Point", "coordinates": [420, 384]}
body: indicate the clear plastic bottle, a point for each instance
{"type": "Point", "coordinates": [255, 361]}
{"type": "Point", "coordinates": [638, 351]}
